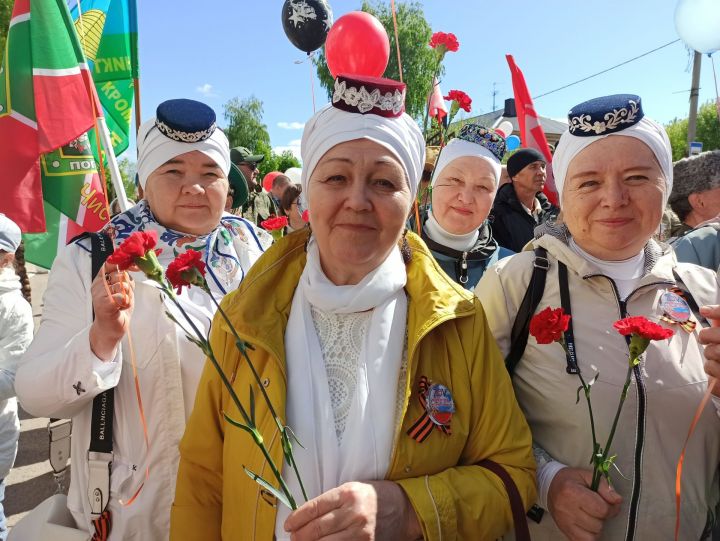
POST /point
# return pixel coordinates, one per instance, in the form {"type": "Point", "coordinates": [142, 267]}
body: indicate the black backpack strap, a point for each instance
{"type": "Point", "coordinates": [533, 295]}
{"type": "Point", "coordinates": [100, 453]}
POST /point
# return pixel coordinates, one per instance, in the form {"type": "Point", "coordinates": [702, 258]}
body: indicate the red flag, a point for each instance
{"type": "Point", "coordinates": [531, 132]}
{"type": "Point", "coordinates": [45, 102]}
{"type": "Point", "coordinates": [436, 103]}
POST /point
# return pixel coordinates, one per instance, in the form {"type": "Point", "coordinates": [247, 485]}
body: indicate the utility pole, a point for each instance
{"type": "Point", "coordinates": [694, 94]}
{"type": "Point", "coordinates": [494, 93]}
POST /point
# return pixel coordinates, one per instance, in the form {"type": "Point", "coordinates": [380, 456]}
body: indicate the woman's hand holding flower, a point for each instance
{"type": "Point", "coordinates": [377, 510]}
{"type": "Point", "coordinates": [112, 313]}
{"type": "Point", "coordinates": [578, 511]}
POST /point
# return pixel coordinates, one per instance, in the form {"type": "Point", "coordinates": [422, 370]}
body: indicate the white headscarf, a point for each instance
{"type": "Point", "coordinates": [331, 126]}
{"type": "Point", "coordinates": [647, 130]}
{"type": "Point", "coordinates": [459, 148]}
{"type": "Point", "coordinates": [154, 149]}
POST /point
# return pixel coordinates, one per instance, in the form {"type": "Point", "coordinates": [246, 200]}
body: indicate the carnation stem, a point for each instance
{"type": "Point", "coordinates": [248, 421]}
{"type": "Point", "coordinates": [283, 433]}
{"type": "Point", "coordinates": [597, 474]}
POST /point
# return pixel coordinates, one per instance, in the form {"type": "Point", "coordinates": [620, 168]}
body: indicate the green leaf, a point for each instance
{"type": "Point", "coordinates": [592, 381]}
{"type": "Point", "coordinates": [267, 486]}
{"type": "Point", "coordinates": [237, 424]}
{"type": "Point", "coordinates": [292, 435]}
{"type": "Point", "coordinates": [578, 394]}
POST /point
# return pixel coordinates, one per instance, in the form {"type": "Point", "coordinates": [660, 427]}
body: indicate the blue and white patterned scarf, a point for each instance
{"type": "Point", "coordinates": [228, 251]}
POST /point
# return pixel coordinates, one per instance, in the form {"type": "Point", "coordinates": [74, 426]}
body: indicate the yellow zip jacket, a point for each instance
{"type": "Point", "coordinates": [448, 342]}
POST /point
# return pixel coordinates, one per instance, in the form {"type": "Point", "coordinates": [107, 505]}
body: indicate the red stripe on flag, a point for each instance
{"type": "Point", "coordinates": [64, 106]}
{"type": "Point", "coordinates": [21, 7]}
{"type": "Point", "coordinates": [531, 133]}
{"type": "Point", "coordinates": [20, 182]}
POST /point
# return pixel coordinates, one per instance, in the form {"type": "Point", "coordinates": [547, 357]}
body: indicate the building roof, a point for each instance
{"type": "Point", "coordinates": [489, 120]}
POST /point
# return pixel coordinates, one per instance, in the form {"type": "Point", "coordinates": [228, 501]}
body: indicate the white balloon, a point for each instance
{"type": "Point", "coordinates": [698, 24]}
{"type": "Point", "coordinates": [505, 128]}
{"type": "Point", "coordinates": [294, 174]}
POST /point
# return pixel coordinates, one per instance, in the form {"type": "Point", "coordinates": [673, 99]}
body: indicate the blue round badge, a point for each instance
{"type": "Point", "coordinates": [440, 404]}
{"type": "Point", "coordinates": [675, 307]}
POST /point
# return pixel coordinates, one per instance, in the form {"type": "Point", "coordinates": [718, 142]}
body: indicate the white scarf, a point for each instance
{"type": "Point", "coordinates": [364, 453]}
{"type": "Point", "coordinates": [459, 148]}
{"type": "Point", "coordinates": [155, 148]}
{"type": "Point", "coordinates": [331, 126]}
{"type": "Point", "coordinates": [647, 130]}
{"type": "Point", "coordinates": [461, 243]}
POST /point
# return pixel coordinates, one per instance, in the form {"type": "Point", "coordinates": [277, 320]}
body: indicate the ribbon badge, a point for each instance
{"type": "Point", "coordinates": [438, 406]}
{"type": "Point", "coordinates": [676, 309]}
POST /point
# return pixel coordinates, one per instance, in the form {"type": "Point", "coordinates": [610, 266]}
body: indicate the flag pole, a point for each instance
{"type": "Point", "coordinates": [138, 116]}
{"type": "Point", "coordinates": [115, 175]}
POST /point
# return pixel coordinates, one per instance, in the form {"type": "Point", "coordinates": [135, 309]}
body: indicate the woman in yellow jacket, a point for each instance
{"type": "Point", "coordinates": [381, 364]}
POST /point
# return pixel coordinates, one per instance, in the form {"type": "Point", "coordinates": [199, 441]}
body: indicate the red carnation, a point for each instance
{"type": "Point", "coordinates": [444, 42]}
{"type": "Point", "coordinates": [549, 325]}
{"type": "Point", "coordinates": [305, 216]}
{"type": "Point", "coordinates": [458, 96]}
{"type": "Point", "coordinates": [642, 327]}
{"type": "Point", "coordinates": [137, 250]}
{"type": "Point", "coordinates": [274, 223]}
{"type": "Point", "coordinates": [187, 269]}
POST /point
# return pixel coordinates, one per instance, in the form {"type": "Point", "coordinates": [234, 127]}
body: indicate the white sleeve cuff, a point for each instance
{"type": "Point", "coordinates": [545, 474]}
{"type": "Point", "coordinates": [107, 372]}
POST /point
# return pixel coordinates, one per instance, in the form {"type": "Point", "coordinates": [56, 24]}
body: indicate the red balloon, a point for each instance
{"type": "Point", "coordinates": [357, 44]}
{"type": "Point", "coordinates": [268, 180]}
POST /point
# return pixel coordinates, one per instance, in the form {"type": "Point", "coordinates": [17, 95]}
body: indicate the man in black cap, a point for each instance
{"type": "Point", "coordinates": [520, 205]}
{"type": "Point", "coordinates": [259, 205]}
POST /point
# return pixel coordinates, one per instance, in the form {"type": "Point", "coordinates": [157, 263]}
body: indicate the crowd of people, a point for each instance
{"type": "Point", "coordinates": [385, 327]}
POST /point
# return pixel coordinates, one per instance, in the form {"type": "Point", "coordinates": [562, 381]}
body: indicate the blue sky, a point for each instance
{"type": "Point", "coordinates": [214, 50]}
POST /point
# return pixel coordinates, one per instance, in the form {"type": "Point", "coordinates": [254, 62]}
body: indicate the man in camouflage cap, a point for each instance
{"type": "Point", "coordinates": [259, 205]}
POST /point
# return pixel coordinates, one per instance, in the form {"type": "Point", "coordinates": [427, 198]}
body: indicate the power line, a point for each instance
{"type": "Point", "coordinates": [608, 69]}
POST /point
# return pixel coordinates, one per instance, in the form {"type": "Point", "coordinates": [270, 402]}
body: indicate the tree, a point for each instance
{"type": "Point", "coordinates": [418, 61]}
{"type": "Point", "coordinates": [245, 127]}
{"type": "Point", "coordinates": [707, 131]}
{"type": "Point", "coordinates": [5, 13]}
{"type": "Point", "coordinates": [127, 173]}
{"type": "Point", "coordinates": [275, 162]}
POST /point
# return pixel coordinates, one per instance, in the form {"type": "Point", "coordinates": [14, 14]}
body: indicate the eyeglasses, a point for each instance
{"type": "Point", "coordinates": [251, 165]}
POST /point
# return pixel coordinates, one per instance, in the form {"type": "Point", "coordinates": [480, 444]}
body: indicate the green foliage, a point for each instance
{"type": "Point", "coordinates": [245, 127]}
{"type": "Point", "coordinates": [127, 173]}
{"type": "Point", "coordinates": [273, 161]}
{"type": "Point", "coordinates": [707, 131]}
{"type": "Point", "coordinates": [418, 61]}
{"type": "Point", "coordinates": [5, 13]}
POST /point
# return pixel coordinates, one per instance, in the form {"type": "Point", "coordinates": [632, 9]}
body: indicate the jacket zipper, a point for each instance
{"type": "Point", "coordinates": [463, 269]}
{"type": "Point", "coordinates": [641, 412]}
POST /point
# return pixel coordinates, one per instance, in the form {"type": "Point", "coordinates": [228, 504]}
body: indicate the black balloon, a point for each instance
{"type": "Point", "coordinates": [306, 23]}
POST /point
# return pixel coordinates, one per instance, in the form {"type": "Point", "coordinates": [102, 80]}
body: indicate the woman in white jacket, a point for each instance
{"type": "Point", "coordinates": [16, 331]}
{"type": "Point", "coordinates": [613, 169]}
{"type": "Point", "coordinates": [183, 167]}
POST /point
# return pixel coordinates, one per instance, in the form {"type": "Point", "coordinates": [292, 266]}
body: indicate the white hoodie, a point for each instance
{"type": "Point", "coordinates": [16, 333]}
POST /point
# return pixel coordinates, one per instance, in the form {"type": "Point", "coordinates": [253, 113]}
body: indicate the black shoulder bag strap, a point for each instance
{"type": "Point", "coordinates": [533, 295]}
{"type": "Point", "coordinates": [571, 355]}
{"type": "Point", "coordinates": [100, 453]}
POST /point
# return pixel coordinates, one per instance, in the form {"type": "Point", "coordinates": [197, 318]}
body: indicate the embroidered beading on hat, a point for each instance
{"type": "Point", "coordinates": [480, 135]}
{"type": "Point", "coordinates": [605, 115]}
{"type": "Point", "coordinates": [369, 95]}
{"type": "Point", "coordinates": [186, 121]}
